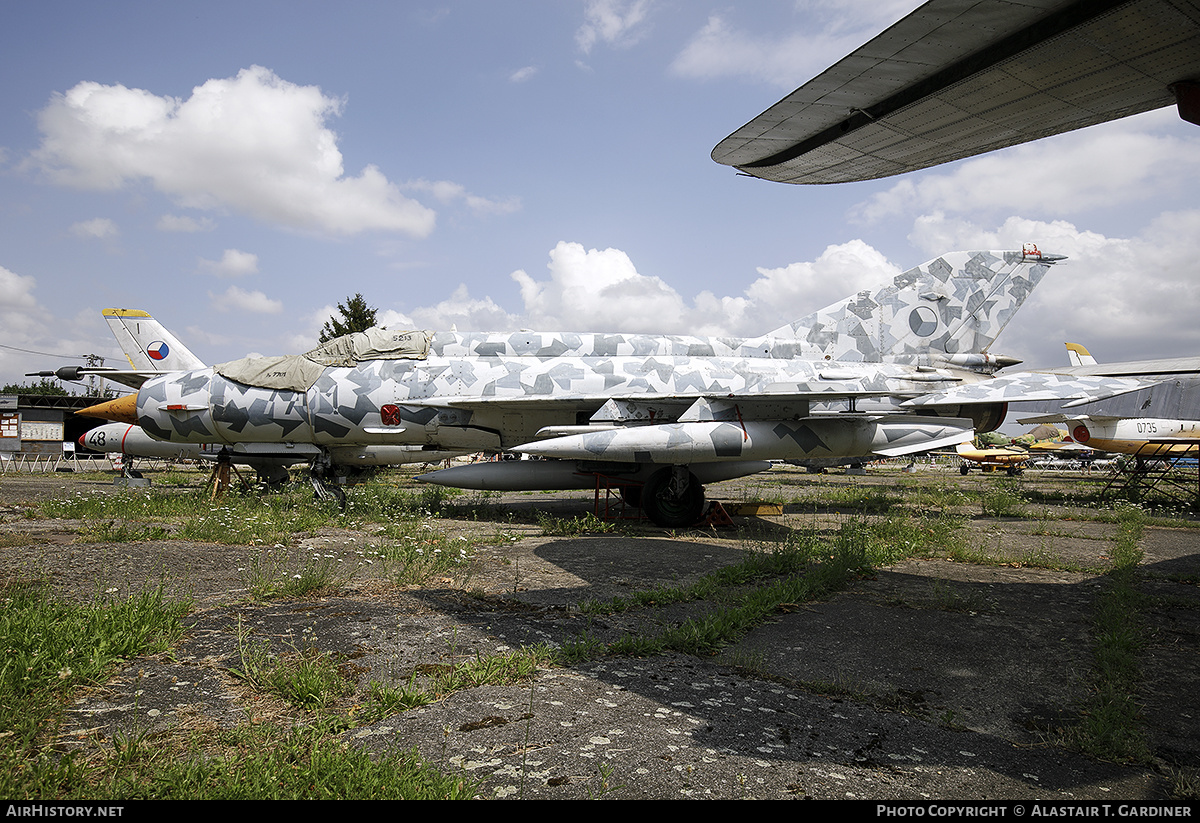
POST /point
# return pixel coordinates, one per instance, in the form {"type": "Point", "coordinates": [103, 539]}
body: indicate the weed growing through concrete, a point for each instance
{"type": "Point", "coordinates": [806, 566]}
{"type": "Point", "coordinates": [1003, 500]}
{"type": "Point", "coordinates": [574, 526]}
{"type": "Point", "coordinates": [1110, 726]}
{"type": "Point", "coordinates": [304, 676]}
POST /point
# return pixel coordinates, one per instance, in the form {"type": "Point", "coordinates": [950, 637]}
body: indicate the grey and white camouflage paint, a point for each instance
{"type": "Point", "coordinates": [928, 329]}
{"type": "Point", "coordinates": [833, 384]}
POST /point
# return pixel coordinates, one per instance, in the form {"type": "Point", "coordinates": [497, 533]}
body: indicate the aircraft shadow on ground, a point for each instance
{"type": "Point", "coordinates": [949, 672]}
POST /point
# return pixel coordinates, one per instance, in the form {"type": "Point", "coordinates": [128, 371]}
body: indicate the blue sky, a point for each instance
{"type": "Point", "coordinates": [237, 169]}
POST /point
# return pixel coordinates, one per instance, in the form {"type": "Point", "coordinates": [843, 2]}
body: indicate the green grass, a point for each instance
{"type": "Point", "coordinates": [806, 566]}
{"type": "Point", "coordinates": [573, 526]}
{"type": "Point", "coordinates": [267, 763]}
{"type": "Point", "coordinates": [1111, 724]}
{"type": "Point", "coordinates": [112, 532]}
{"type": "Point", "coordinates": [277, 572]}
{"type": "Point", "coordinates": [789, 557]}
{"type": "Point", "coordinates": [866, 498]}
{"type": "Point", "coordinates": [50, 649]}
{"type": "Point", "coordinates": [410, 545]}
{"type": "Point", "coordinates": [1004, 499]}
{"type": "Point", "coordinates": [305, 677]}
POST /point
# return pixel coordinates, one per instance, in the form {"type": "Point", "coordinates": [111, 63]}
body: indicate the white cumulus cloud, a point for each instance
{"type": "Point", "coordinates": [31, 331]}
{"type": "Point", "coordinates": [458, 311]}
{"type": "Point", "coordinates": [617, 23]}
{"type": "Point", "coordinates": [16, 292]}
{"type": "Point", "coordinates": [255, 302]}
{"type": "Point", "coordinates": [253, 143]}
{"type": "Point", "coordinates": [233, 263]}
{"type": "Point", "coordinates": [1124, 298]}
{"type": "Point", "coordinates": [1118, 163]}
{"type": "Point", "coordinates": [601, 290]}
{"type": "Point", "coordinates": [99, 227]}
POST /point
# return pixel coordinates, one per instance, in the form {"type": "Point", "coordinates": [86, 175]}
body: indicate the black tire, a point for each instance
{"type": "Point", "coordinates": [667, 509]}
{"type": "Point", "coordinates": [963, 469]}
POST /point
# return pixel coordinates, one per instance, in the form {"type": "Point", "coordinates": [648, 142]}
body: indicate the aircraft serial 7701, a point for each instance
{"type": "Point", "coordinates": [661, 415]}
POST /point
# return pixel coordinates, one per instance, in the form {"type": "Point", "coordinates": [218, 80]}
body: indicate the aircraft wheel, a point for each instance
{"type": "Point", "coordinates": [963, 469]}
{"type": "Point", "coordinates": [323, 491]}
{"type": "Point", "coordinates": [672, 499]}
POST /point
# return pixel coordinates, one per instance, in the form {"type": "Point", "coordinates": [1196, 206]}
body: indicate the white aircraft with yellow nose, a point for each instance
{"type": "Point", "coordinates": [1149, 436]}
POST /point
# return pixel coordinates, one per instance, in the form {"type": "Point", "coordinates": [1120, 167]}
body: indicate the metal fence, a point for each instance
{"type": "Point", "coordinates": [20, 463]}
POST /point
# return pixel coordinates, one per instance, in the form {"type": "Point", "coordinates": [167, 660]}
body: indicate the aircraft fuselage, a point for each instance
{"type": "Point", "coordinates": [520, 385]}
{"type": "Point", "coordinates": [1130, 435]}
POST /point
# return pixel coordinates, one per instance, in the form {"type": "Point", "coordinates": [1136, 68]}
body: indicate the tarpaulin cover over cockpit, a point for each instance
{"type": "Point", "coordinates": [298, 372]}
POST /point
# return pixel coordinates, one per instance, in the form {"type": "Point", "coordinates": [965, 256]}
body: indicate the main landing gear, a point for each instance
{"type": "Point", "coordinates": [673, 497]}
{"type": "Point", "coordinates": [319, 475]}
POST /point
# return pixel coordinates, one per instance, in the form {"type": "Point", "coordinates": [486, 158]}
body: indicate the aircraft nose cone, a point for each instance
{"type": "Point", "coordinates": [121, 410]}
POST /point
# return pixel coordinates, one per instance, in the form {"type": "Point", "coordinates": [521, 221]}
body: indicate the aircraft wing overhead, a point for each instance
{"type": "Point", "coordinates": [957, 78]}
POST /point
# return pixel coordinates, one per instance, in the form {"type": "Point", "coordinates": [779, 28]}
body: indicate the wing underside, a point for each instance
{"type": "Point", "coordinates": [955, 79]}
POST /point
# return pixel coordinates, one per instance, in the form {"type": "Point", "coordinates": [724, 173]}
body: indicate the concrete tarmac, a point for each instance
{"type": "Point", "coordinates": [927, 680]}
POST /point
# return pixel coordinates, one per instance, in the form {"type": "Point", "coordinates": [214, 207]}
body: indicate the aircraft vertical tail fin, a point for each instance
{"type": "Point", "coordinates": [147, 344]}
{"type": "Point", "coordinates": [1079, 356]}
{"type": "Point", "coordinates": [955, 304]}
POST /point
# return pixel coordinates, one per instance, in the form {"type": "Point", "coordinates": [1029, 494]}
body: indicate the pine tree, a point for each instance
{"type": "Point", "coordinates": [356, 316]}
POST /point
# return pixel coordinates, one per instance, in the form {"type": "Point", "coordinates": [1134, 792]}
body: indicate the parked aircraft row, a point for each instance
{"type": "Point", "coordinates": [1095, 433]}
{"type": "Point", "coordinates": [151, 348]}
{"type": "Point", "coordinates": [1166, 437]}
{"type": "Point", "coordinates": [898, 370]}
